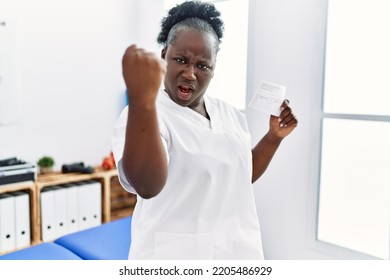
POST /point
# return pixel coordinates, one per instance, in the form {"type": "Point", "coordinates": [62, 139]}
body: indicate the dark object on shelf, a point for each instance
{"type": "Point", "coordinates": [13, 170]}
{"type": "Point", "coordinates": [77, 167]}
{"type": "Point", "coordinates": [11, 161]}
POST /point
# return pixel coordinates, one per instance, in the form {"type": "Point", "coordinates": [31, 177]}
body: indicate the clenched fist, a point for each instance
{"type": "Point", "coordinates": [143, 73]}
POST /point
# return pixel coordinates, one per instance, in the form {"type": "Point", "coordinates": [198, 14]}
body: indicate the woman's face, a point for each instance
{"type": "Point", "coordinates": [190, 67]}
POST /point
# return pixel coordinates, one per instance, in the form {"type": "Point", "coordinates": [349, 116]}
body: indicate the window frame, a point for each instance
{"type": "Point", "coordinates": [321, 116]}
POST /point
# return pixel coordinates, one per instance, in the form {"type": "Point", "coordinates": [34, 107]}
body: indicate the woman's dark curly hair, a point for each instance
{"type": "Point", "coordinates": [206, 12]}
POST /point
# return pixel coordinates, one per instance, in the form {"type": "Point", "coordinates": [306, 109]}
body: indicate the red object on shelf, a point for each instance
{"type": "Point", "coordinates": [109, 162]}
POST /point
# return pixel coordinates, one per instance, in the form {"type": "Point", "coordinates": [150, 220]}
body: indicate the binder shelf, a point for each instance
{"type": "Point", "coordinates": [17, 229]}
{"type": "Point", "coordinates": [92, 199]}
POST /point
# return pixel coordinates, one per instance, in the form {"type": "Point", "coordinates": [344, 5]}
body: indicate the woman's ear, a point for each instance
{"type": "Point", "coordinates": [163, 53]}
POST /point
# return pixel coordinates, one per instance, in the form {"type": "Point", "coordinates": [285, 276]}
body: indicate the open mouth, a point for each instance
{"type": "Point", "coordinates": [184, 92]}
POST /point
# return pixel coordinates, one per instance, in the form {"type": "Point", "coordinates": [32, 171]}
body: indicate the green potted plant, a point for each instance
{"type": "Point", "coordinates": [45, 164]}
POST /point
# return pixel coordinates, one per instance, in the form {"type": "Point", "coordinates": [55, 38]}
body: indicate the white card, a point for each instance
{"type": "Point", "coordinates": [268, 98]}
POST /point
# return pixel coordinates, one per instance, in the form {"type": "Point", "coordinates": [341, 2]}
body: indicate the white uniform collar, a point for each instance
{"type": "Point", "coordinates": [215, 120]}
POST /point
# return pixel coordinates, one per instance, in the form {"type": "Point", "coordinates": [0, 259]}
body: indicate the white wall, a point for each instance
{"type": "Point", "coordinates": [71, 88]}
{"type": "Point", "coordinates": [286, 47]}
{"type": "Point", "coordinates": [146, 22]}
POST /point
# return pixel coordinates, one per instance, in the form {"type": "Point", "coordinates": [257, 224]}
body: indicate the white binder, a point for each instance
{"type": "Point", "coordinates": [22, 219]}
{"type": "Point", "coordinates": [60, 203]}
{"type": "Point", "coordinates": [48, 229]}
{"type": "Point", "coordinates": [72, 207]}
{"type": "Point", "coordinates": [7, 223]}
{"type": "Point", "coordinates": [83, 216]}
{"type": "Point", "coordinates": [90, 204]}
{"type": "Point", "coordinates": [95, 203]}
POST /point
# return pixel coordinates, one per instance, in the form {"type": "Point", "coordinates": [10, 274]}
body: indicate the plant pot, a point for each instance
{"type": "Point", "coordinates": [45, 170]}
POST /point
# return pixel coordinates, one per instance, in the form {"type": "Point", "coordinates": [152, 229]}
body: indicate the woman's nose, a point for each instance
{"type": "Point", "coordinates": [189, 72]}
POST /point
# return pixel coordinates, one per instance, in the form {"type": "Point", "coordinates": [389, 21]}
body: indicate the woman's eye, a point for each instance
{"type": "Point", "coordinates": [179, 60]}
{"type": "Point", "coordinates": [203, 66]}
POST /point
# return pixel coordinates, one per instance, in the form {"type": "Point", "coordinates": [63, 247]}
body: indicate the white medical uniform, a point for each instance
{"type": "Point", "coordinates": [207, 208]}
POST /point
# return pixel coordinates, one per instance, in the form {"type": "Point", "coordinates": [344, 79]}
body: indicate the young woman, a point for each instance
{"type": "Point", "coordinates": [188, 156]}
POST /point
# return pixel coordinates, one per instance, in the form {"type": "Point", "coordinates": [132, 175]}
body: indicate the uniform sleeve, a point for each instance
{"type": "Point", "coordinates": [118, 144]}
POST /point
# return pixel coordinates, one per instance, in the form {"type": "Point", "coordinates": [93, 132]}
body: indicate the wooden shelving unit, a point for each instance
{"type": "Point", "coordinates": [58, 178]}
{"type": "Point", "coordinates": [116, 202]}
{"type": "Point", "coordinates": [30, 187]}
{"type": "Point", "coordinates": [122, 202]}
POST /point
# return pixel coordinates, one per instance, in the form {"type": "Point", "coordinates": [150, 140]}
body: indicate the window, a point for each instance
{"type": "Point", "coordinates": [229, 82]}
{"type": "Point", "coordinates": [354, 199]}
